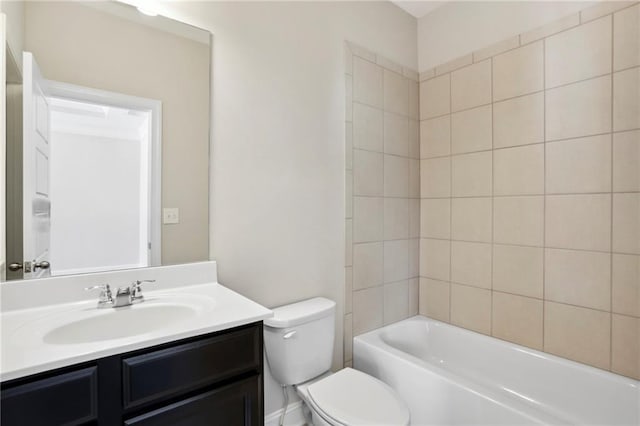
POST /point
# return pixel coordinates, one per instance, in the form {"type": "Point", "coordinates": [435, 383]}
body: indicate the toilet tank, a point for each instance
{"type": "Point", "coordinates": [298, 340]}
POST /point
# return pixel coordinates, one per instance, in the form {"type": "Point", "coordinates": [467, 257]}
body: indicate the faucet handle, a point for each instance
{"type": "Point", "coordinates": [105, 291]}
{"type": "Point", "coordinates": [136, 287]}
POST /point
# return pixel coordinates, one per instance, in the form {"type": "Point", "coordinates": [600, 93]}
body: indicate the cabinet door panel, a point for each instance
{"type": "Point", "coordinates": [65, 399]}
{"type": "Point", "coordinates": [233, 405]}
{"type": "Point", "coordinates": [169, 372]}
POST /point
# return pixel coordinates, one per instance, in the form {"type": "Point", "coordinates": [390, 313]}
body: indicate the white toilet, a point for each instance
{"type": "Point", "coordinates": [299, 345]}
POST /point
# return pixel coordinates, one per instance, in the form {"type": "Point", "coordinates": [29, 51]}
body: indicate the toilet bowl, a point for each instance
{"type": "Point", "coordinates": [298, 342]}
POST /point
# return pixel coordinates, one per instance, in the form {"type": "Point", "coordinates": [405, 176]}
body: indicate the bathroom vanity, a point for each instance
{"type": "Point", "coordinates": [189, 354]}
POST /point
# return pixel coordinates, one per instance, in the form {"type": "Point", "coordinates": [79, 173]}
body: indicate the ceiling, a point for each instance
{"type": "Point", "coordinates": [418, 8]}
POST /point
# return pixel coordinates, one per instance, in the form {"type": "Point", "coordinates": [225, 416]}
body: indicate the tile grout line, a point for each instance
{"type": "Point", "coordinates": [493, 190]}
{"type": "Point", "coordinates": [450, 198]}
{"type": "Point", "coordinates": [611, 212]}
{"type": "Point", "coordinates": [544, 189]}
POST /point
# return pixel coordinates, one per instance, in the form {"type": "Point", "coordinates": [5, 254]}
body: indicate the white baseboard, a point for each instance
{"type": "Point", "coordinates": [294, 417]}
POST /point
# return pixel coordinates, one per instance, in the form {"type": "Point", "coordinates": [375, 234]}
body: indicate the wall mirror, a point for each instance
{"type": "Point", "coordinates": [108, 111]}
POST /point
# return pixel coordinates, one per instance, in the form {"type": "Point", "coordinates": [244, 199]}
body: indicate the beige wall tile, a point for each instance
{"type": "Point", "coordinates": [396, 260]}
{"type": "Point", "coordinates": [348, 205]}
{"type": "Point", "coordinates": [496, 48]}
{"type": "Point", "coordinates": [396, 301]}
{"type": "Point", "coordinates": [550, 28]}
{"type": "Point", "coordinates": [396, 218]}
{"type": "Point", "coordinates": [367, 82]}
{"type": "Point", "coordinates": [435, 258]}
{"type": "Point", "coordinates": [367, 265]}
{"type": "Point", "coordinates": [414, 218]}
{"type": "Point", "coordinates": [396, 176]}
{"type": "Point", "coordinates": [396, 93]}
{"type": "Point", "coordinates": [471, 219]}
{"type": "Point", "coordinates": [367, 219]}
{"type": "Point", "coordinates": [434, 299]}
{"type": "Point", "coordinates": [579, 53]}
{"type": "Point", "coordinates": [435, 137]}
{"type": "Point", "coordinates": [626, 223]}
{"type": "Point", "coordinates": [579, 109]}
{"type": "Point", "coordinates": [580, 278]}
{"type": "Point", "coordinates": [367, 127]}
{"type": "Point", "coordinates": [435, 215]}
{"type": "Point", "coordinates": [518, 72]}
{"type": "Point", "coordinates": [519, 171]}
{"type": "Point", "coordinates": [578, 222]}
{"type": "Point", "coordinates": [626, 100]}
{"type": "Point", "coordinates": [517, 319]}
{"type": "Point", "coordinates": [518, 220]}
{"type": "Point", "coordinates": [367, 173]}
{"type": "Point", "coordinates": [625, 291]}
{"type": "Point", "coordinates": [518, 270]}
{"type": "Point", "coordinates": [602, 8]}
{"type": "Point", "coordinates": [471, 86]}
{"type": "Point", "coordinates": [348, 242]}
{"type": "Point", "coordinates": [454, 64]}
{"type": "Point", "coordinates": [414, 257]}
{"type": "Point", "coordinates": [471, 130]}
{"type": "Point", "coordinates": [471, 174]}
{"type": "Point", "coordinates": [435, 177]}
{"type": "Point", "coordinates": [518, 121]}
{"type": "Point", "coordinates": [625, 351]}
{"type": "Point", "coordinates": [471, 308]}
{"type": "Point", "coordinates": [626, 161]}
{"type": "Point", "coordinates": [348, 337]}
{"type": "Point", "coordinates": [396, 134]}
{"type": "Point", "coordinates": [368, 309]}
{"type": "Point", "coordinates": [414, 178]}
{"type": "Point", "coordinates": [348, 290]}
{"type": "Point", "coordinates": [471, 263]}
{"type": "Point", "coordinates": [348, 83]}
{"type": "Point", "coordinates": [626, 38]}
{"type": "Point", "coordinates": [434, 97]}
{"type": "Point", "coordinates": [414, 138]}
{"type": "Point", "coordinates": [579, 334]}
{"type": "Point", "coordinates": [579, 165]}
{"type": "Point", "coordinates": [414, 100]}
{"type": "Point", "coordinates": [348, 146]}
{"type": "Point", "coordinates": [414, 296]}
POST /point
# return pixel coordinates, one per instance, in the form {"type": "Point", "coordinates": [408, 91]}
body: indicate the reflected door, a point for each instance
{"type": "Point", "coordinates": [36, 156]}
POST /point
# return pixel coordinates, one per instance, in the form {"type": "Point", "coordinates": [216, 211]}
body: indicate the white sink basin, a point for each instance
{"type": "Point", "coordinates": [80, 324]}
{"type": "Point", "coordinates": [118, 323]}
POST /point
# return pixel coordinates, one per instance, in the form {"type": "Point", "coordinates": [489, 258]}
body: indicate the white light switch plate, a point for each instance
{"type": "Point", "coordinates": [170, 215]}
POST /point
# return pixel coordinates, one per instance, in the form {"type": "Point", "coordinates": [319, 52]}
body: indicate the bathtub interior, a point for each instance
{"type": "Point", "coordinates": [565, 390]}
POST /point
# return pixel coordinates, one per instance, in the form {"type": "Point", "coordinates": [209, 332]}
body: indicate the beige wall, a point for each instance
{"type": "Point", "coordinates": [530, 189]}
{"type": "Point", "coordinates": [278, 197]}
{"type": "Point", "coordinates": [77, 44]}
{"type": "Point", "coordinates": [14, 11]}
{"type": "Point", "coordinates": [382, 190]}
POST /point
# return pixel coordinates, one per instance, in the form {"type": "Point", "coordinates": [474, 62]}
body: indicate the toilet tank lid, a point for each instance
{"type": "Point", "coordinates": [300, 312]}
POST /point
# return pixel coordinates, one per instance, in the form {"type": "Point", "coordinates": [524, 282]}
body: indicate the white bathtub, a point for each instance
{"type": "Point", "coordinates": [451, 376]}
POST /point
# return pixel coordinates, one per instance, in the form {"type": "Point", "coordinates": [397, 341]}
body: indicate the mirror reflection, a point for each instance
{"type": "Point", "coordinates": [107, 139]}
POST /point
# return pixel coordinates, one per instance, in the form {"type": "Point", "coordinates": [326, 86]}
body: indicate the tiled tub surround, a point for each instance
{"type": "Point", "coordinates": [530, 189]}
{"type": "Point", "coordinates": [382, 193]}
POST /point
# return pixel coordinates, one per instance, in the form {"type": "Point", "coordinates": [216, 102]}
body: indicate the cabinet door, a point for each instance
{"type": "Point", "coordinates": [234, 405]}
{"type": "Point", "coordinates": [64, 399]}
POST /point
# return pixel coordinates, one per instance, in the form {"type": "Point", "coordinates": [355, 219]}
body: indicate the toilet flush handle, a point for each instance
{"type": "Point", "coordinates": [289, 335]}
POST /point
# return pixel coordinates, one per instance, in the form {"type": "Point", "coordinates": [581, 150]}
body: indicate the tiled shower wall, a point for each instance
{"type": "Point", "coordinates": [530, 189]}
{"type": "Point", "coordinates": [382, 193]}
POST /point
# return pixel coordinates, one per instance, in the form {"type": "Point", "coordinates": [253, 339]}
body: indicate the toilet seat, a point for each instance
{"type": "Point", "coordinates": [351, 397]}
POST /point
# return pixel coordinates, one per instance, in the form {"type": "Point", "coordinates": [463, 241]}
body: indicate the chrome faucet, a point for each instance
{"type": "Point", "coordinates": [125, 296]}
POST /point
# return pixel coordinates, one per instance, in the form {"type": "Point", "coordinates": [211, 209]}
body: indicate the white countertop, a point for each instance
{"type": "Point", "coordinates": [24, 352]}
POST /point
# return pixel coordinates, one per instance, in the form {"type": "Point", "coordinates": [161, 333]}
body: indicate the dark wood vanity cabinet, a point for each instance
{"type": "Point", "coordinates": [214, 379]}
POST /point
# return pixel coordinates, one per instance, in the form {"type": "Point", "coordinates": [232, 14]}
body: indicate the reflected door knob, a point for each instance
{"type": "Point", "coordinates": [42, 265]}
{"type": "Point", "coordinates": [15, 266]}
